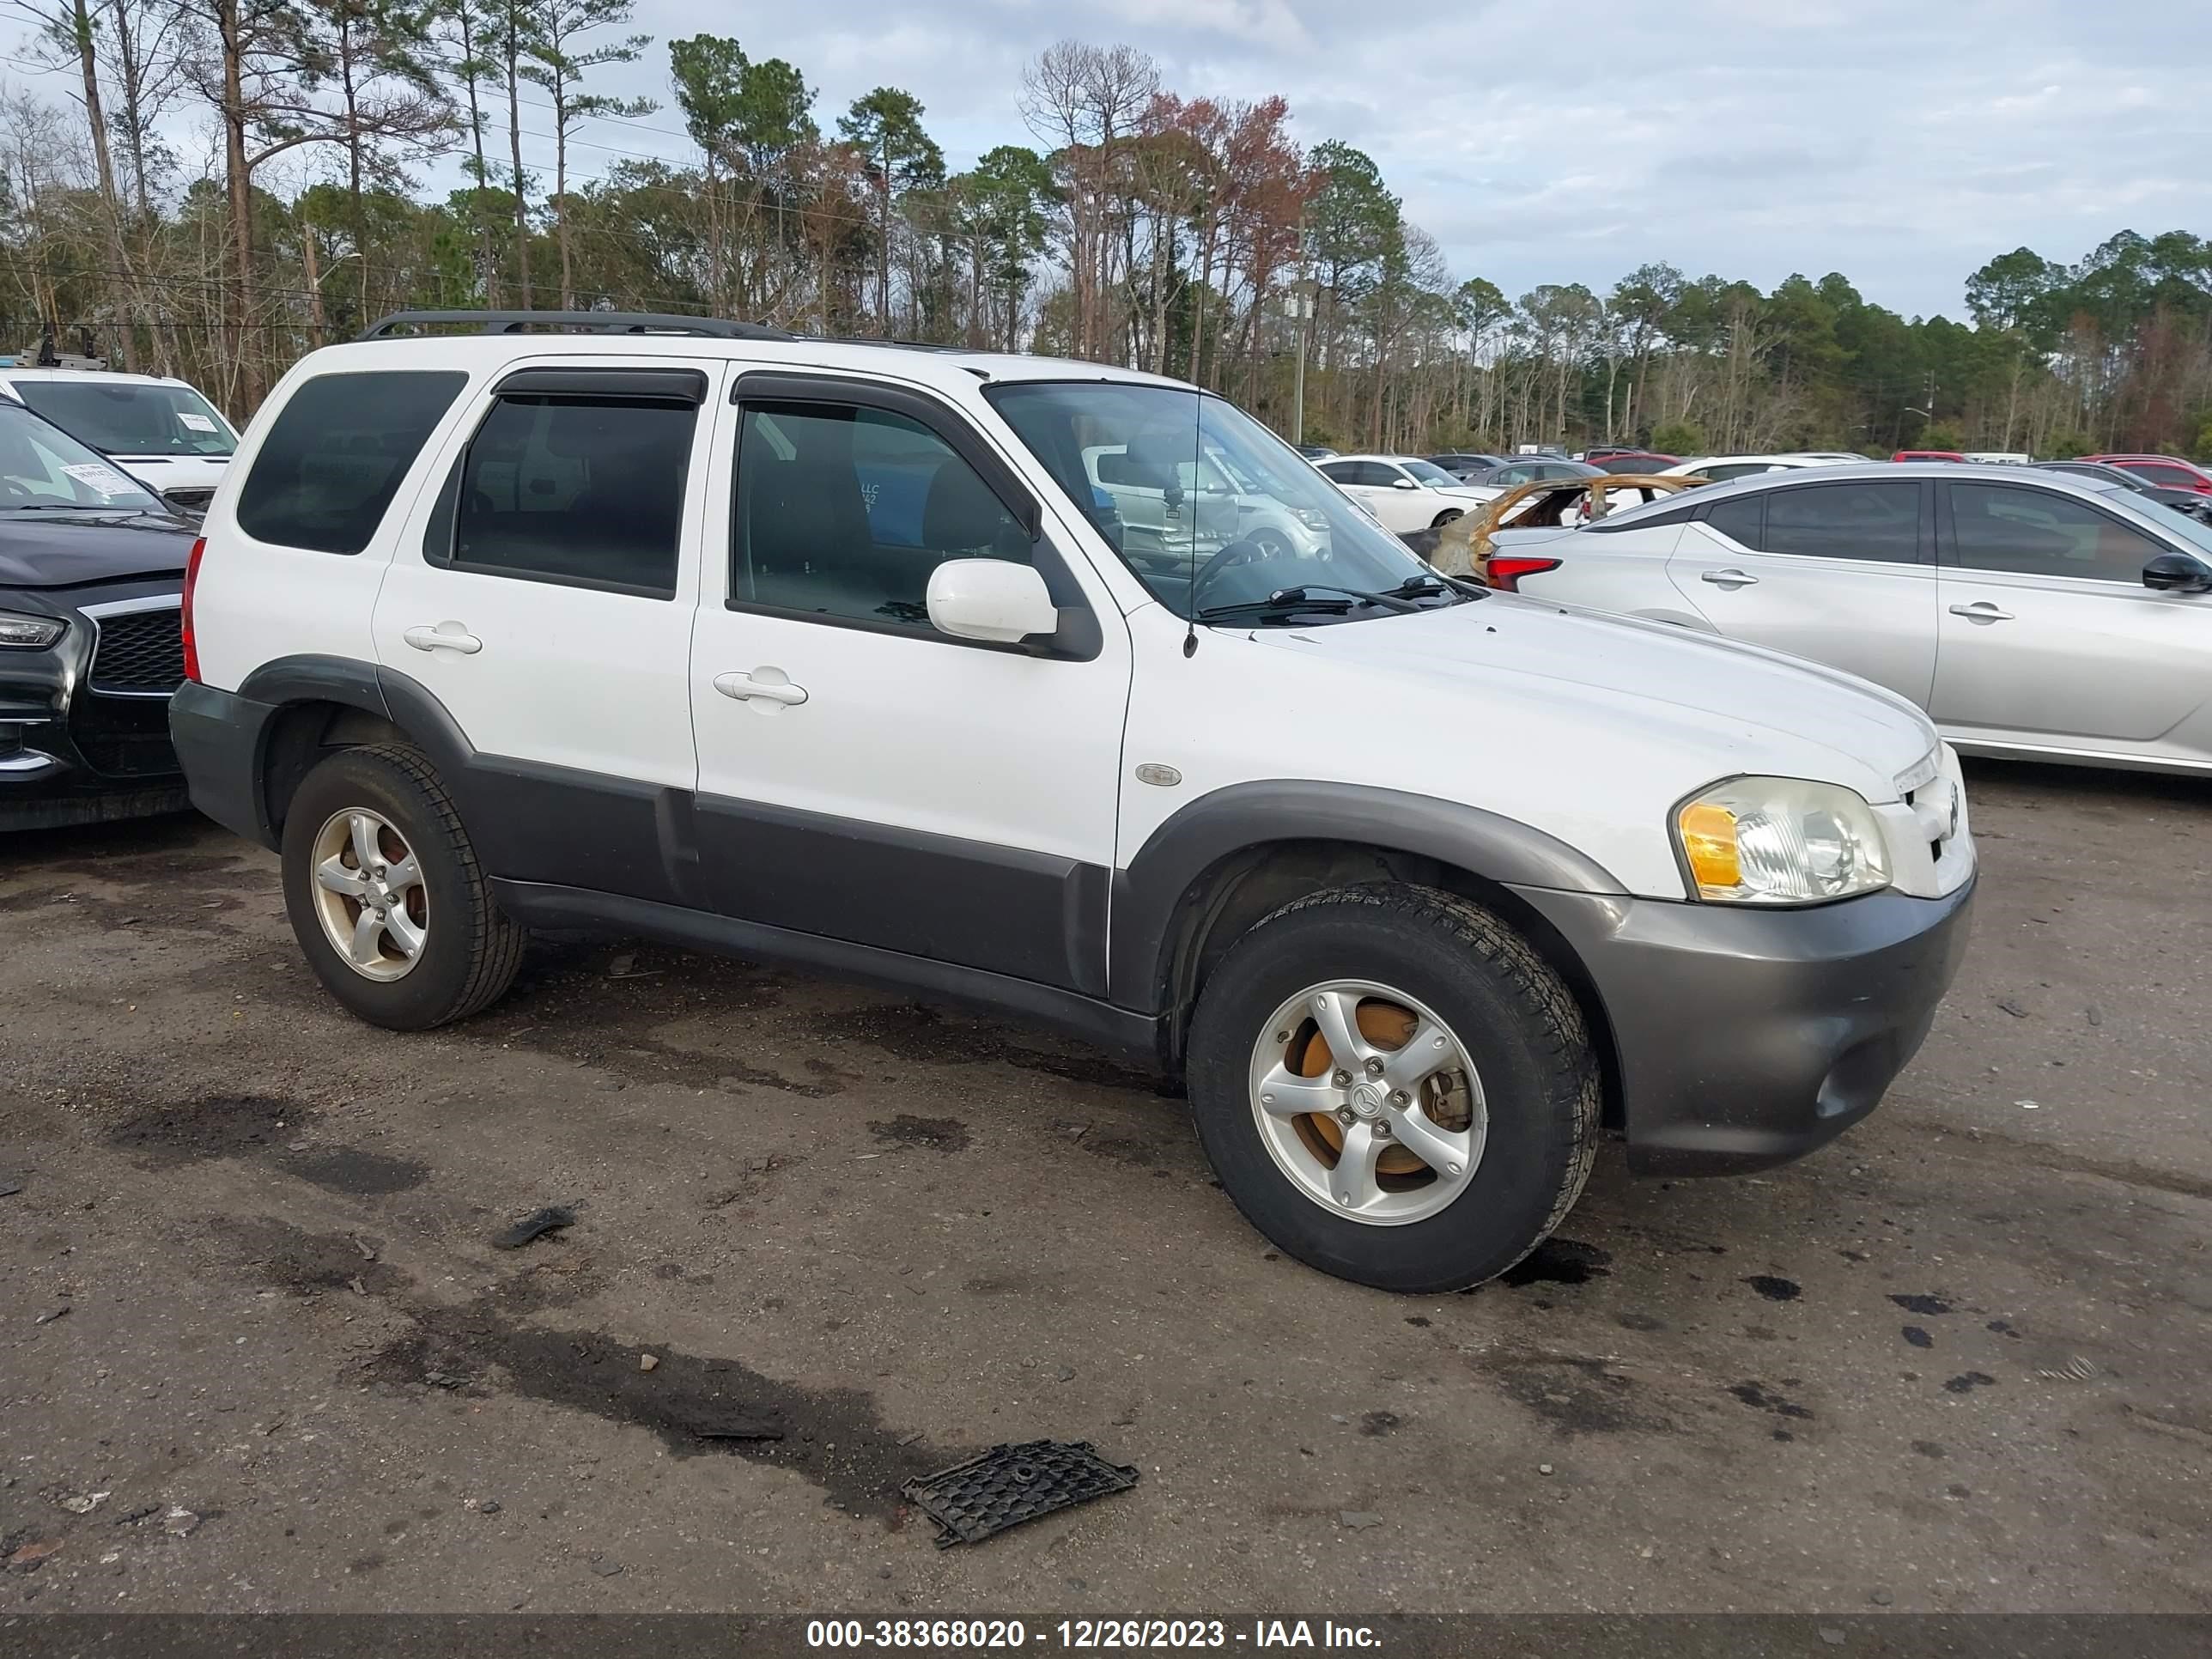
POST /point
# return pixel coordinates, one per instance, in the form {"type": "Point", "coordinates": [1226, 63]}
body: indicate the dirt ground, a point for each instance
{"type": "Point", "coordinates": [257, 1351]}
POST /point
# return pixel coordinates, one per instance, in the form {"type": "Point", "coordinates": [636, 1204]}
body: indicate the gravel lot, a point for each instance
{"type": "Point", "coordinates": [1956, 1362]}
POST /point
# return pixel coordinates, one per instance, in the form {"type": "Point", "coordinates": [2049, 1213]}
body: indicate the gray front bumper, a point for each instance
{"type": "Point", "coordinates": [1745, 1038]}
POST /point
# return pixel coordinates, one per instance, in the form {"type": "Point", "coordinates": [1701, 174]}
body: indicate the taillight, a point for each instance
{"type": "Point", "coordinates": [185, 611]}
{"type": "Point", "coordinates": [1505, 572]}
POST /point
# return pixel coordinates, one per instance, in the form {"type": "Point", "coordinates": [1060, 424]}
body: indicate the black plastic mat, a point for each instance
{"type": "Point", "coordinates": [1009, 1484]}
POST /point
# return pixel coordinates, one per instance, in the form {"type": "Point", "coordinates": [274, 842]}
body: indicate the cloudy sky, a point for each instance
{"type": "Point", "coordinates": [1901, 141]}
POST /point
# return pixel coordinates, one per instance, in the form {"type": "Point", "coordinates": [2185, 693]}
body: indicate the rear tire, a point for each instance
{"type": "Point", "coordinates": [376, 862]}
{"type": "Point", "coordinates": [1451, 974]}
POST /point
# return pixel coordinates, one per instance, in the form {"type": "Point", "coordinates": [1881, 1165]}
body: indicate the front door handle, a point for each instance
{"type": "Point", "coordinates": [446, 636]}
{"type": "Point", "coordinates": [1730, 579]}
{"type": "Point", "coordinates": [762, 685]}
{"type": "Point", "coordinates": [1981, 610]}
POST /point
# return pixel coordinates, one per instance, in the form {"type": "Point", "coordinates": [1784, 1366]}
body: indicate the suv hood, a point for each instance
{"type": "Point", "coordinates": [1728, 708]}
{"type": "Point", "coordinates": [67, 549]}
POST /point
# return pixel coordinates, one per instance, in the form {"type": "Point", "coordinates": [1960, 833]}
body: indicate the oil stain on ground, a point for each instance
{"type": "Point", "coordinates": [1758, 1397]}
{"type": "Point", "coordinates": [360, 1174]}
{"type": "Point", "coordinates": [265, 1127]}
{"type": "Point", "coordinates": [213, 1125]}
{"type": "Point", "coordinates": [698, 1406]}
{"type": "Point", "coordinates": [1774, 1289]}
{"type": "Point", "coordinates": [307, 1264]}
{"type": "Point", "coordinates": [1559, 1261]}
{"type": "Point", "coordinates": [1926, 1306]}
{"type": "Point", "coordinates": [1576, 1396]}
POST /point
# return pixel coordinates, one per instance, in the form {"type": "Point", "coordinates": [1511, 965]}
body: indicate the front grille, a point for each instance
{"type": "Point", "coordinates": [140, 650]}
{"type": "Point", "coordinates": [123, 736]}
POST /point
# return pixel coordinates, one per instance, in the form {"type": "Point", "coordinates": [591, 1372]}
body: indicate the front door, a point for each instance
{"type": "Point", "coordinates": [860, 775]}
{"type": "Point", "coordinates": [543, 594]}
{"type": "Point", "coordinates": [2049, 635]}
{"type": "Point", "coordinates": [1832, 572]}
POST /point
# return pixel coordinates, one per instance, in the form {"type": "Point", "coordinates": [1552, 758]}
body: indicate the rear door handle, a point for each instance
{"type": "Point", "coordinates": [762, 685]}
{"type": "Point", "coordinates": [446, 636]}
{"type": "Point", "coordinates": [1981, 610]}
{"type": "Point", "coordinates": [1730, 579]}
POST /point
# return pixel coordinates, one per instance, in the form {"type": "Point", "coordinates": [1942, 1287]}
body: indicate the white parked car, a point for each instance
{"type": "Point", "coordinates": [1403, 492]}
{"type": "Point", "coordinates": [827, 654]}
{"type": "Point", "coordinates": [2031, 613]}
{"type": "Point", "coordinates": [1722, 468]}
{"type": "Point", "coordinates": [159, 430]}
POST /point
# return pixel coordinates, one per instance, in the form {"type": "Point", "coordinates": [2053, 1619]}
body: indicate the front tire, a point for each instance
{"type": "Point", "coordinates": [1393, 1087]}
{"type": "Point", "coordinates": [1444, 518]}
{"type": "Point", "coordinates": [385, 896]}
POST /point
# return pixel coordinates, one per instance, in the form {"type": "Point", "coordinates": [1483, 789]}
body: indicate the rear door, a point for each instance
{"type": "Point", "coordinates": [543, 595]}
{"type": "Point", "coordinates": [1839, 573]}
{"type": "Point", "coordinates": [2049, 635]}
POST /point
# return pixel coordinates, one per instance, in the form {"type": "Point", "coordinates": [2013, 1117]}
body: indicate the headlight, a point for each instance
{"type": "Point", "coordinates": [1312, 518]}
{"type": "Point", "coordinates": [1780, 841]}
{"type": "Point", "coordinates": [29, 633]}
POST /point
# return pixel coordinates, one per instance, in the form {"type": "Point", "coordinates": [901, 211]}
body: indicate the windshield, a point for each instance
{"type": "Point", "coordinates": [43, 468]}
{"type": "Point", "coordinates": [2190, 529]}
{"type": "Point", "coordinates": [1435, 477]}
{"type": "Point", "coordinates": [131, 418]}
{"type": "Point", "coordinates": [1128, 456]}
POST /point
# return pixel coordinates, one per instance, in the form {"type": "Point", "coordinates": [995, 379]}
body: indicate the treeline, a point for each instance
{"type": "Point", "coordinates": [1194, 236]}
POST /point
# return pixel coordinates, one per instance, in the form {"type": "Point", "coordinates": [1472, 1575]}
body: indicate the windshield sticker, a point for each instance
{"type": "Point", "coordinates": [105, 479]}
{"type": "Point", "coordinates": [192, 423]}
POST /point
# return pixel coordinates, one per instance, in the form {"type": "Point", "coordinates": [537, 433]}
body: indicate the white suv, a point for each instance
{"type": "Point", "coordinates": [829, 655]}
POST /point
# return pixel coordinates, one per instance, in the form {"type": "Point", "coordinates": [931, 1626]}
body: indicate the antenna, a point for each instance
{"type": "Point", "coordinates": [1190, 592]}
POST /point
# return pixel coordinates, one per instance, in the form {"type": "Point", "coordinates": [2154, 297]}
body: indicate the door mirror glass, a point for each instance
{"type": "Point", "coordinates": [2177, 573]}
{"type": "Point", "coordinates": [991, 599]}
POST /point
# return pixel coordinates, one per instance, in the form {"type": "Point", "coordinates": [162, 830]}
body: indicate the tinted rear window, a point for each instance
{"type": "Point", "coordinates": [335, 457]}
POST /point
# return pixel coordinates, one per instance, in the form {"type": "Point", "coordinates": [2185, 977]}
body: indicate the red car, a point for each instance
{"type": "Point", "coordinates": [1928, 455]}
{"type": "Point", "coordinates": [1632, 460]}
{"type": "Point", "coordinates": [2168, 471]}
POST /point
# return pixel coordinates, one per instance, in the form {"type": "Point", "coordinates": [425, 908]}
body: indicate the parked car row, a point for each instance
{"type": "Point", "coordinates": [2033, 611]}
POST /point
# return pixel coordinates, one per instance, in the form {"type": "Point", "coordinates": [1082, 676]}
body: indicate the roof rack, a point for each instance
{"type": "Point", "coordinates": [597, 322]}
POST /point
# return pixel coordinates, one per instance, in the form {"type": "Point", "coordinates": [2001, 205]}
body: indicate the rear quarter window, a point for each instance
{"type": "Point", "coordinates": [335, 455]}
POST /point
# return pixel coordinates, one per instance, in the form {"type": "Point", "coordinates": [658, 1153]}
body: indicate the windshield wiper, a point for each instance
{"type": "Point", "coordinates": [1301, 597]}
{"type": "Point", "coordinates": [1435, 582]}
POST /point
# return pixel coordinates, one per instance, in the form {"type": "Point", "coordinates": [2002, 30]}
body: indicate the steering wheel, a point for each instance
{"type": "Point", "coordinates": [1243, 551]}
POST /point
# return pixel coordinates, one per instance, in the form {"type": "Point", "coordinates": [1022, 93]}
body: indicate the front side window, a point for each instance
{"type": "Point", "coordinates": [2040, 532]}
{"type": "Point", "coordinates": [333, 459]}
{"type": "Point", "coordinates": [1285, 546]}
{"type": "Point", "coordinates": [129, 418]}
{"type": "Point", "coordinates": [579, 490]}
{"type": "Point", "coordinates": [1878, 522]}
{"type": "Point", "coordinates": [42, 468]}
{"type": "Point", "coordinates": [2178, 477]}
{"type": "Point", "coordinates": [844, 511]}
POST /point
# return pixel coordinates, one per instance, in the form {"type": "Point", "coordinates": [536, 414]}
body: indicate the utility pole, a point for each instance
{"type": "Point", "coordinates": [1302, 309]}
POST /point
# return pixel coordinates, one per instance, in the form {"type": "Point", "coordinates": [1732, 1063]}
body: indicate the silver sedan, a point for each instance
{"type": "Point", "coordinates": [2031, 614]}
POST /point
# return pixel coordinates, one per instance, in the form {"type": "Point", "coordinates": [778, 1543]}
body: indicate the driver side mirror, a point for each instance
{"type": "Point", "coordinates": [2177, 573]}
{"type": "Point", "coordinates": [995, 600]}
{"type": "Point", "coordinates": [1403, 484]}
